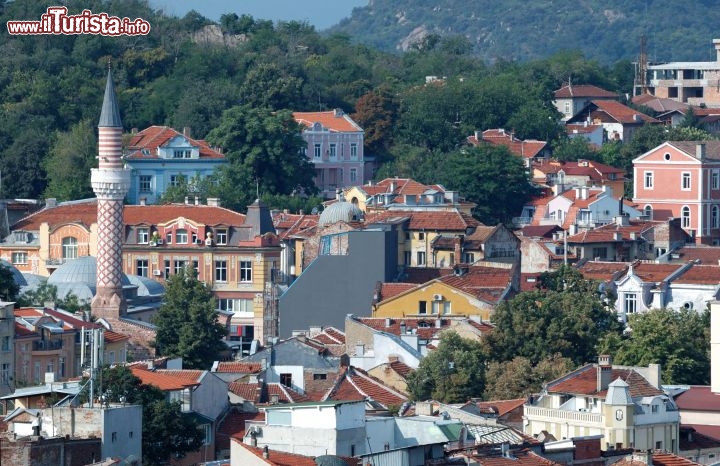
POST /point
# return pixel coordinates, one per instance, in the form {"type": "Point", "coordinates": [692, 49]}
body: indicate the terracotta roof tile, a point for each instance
{"type": "Point", "coordinates": [233, 425]}
{"type": "Point", "coordinates": [698, 398]}
{"type": "Point", "coordinates": [607, 233]}
{"type": "Point", "coordinates": [584, 382]}
{"type": "Point", "coordinates": [424, 327]}
{"type": "Point", "coordinates": [501, 407]}
{"type": "Point", "coordinates": [247, 391]}
{"type": "Point", "coordinates": [712, 148]}
{"type": "Point", "coordinates": [342, 123]}
{"type": "Point", "coordinates": [401, 368]}
{"type": "Point", "coordinates": [355, 384]}
{"type": "Point", "coordinates": [388, 290]}
{"type": "Point", "coordinates": [709, 431]}
{"type": "Point", "coordinates": [700, 275]}
{"type": "Point", "coordinates": [705, 254]}
{"type": "Point", "coordinates": [158, 136]}
{"type": "Point", "coordinates": [583, 90]}
{"type": "Point", "coordinates": [279, 458]}
{"type": "Point", "coordinates": [516, 458]}
{"type": "Point", "coordinates": [650, 272]}
{"type": "Point", "coordinates": [603, 271]}
{"type": "Point", "coordinates": [167, 380]}
{"type": "Point", "coordinates": [239, 367]}
{"type": "Point", "coordinates": [622, 113]}
{"type": "Point", "coordinates": [528, 148]}
{"type": "Point", "coordinates": [659, 459]}
{"type": "Point", "coordinates": [691, 439]}
{"type": "Point", "coordinates": [428, 220]}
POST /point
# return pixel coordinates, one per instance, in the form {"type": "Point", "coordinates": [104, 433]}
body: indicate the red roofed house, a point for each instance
{"type": "Point", "coordinates": [681, 179]}
{"type": "Point", "coordinates": [625, 405]}
{"type": "Point", "coordinates": [335, 147]}
{"type": "Point", "coordinates": [619, 121]}
{"type": "Point", "coordinates": [570, 99]}
{"type": "Point", "coordinates": [529, 150]}
{"type": "Point", "coordinates": [561, 176]}
{"type": "Point", "coordinates": [160, 157]}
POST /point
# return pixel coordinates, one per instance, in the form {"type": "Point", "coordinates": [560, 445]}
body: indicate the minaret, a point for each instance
{"type": "Point", "coordinates": [110, 182]}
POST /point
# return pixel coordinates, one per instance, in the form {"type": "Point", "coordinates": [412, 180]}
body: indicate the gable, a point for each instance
{"type": "Point", "coordinates": [660, 155]}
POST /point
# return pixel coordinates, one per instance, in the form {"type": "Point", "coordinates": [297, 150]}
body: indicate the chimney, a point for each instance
{"type": "Point", "coordinates": [338, 112]}
{"type": "Point", "coordinates": [700, 151]}
{"type": "Point", "coordinates": [403, 328]}
{"type": "Point", "coordinates": [644, 457]}
{"type": "Point", "coordinates": [266, 452]}
{"type": "Point", "coordinates": [388, 321]}
{"type": "Point", "coordinates": [133, 131]}
{"type": "Point", "coordinates": [457, 249]}
{"type": "Point", "coordinates": [478, 135]}
{"type": "Point", "coordinates": [197, 200]}
{"type": "Point", "coordinates": [50, 202]}
{"type": "Point", "coordinates": [604, 372]}
{"type": "Point", "coordinates": [716, 43]}
{"type": "Point", "coordinates": [143, 201]}
{"type": "Point", "coordinates": [438, 323]}
{"type": "Point", "coordinates": [186, 131]}
{"type": "Point", "coordinates": [617, 236]}
{"type": "Point", "coordinates": [393, 358]}
{"type": "Point", "coordinates": [213, 201]}
{"type": "Point", "coordinates": [187, 200]}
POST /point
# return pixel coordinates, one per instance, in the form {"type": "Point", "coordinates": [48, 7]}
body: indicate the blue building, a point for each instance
{"type": "Point", "coordinates": [160, 157]}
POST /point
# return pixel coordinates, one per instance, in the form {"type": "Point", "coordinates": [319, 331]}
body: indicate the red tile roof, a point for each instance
{"type": "Point", "coordinates": [428, 220]}
{"type": "Point", "coordinates": [330, 120]}
{"type": "Point", "coordinates": [607, 233]}
{"type": "Point", "coordinates": [279, 458]}
{"type": "Point", "coordinates": [581, 128]}
{"type": "Point", "coordinates": [602, 271]}
{"type": "Point", "coordinates": [402, 369]}
{"type": "Point", "coordinates": [705, 254]}
{"type": "Point", "coordinates": [583, 90]}
{"type": "Point", "coordinates": [423, 326]}
{"type": "Point", "coordinates": [700, 275]}
{"type": "Point", "coordinates": [239, 367]}
{"type": "Point", "coordinates": [501, 407]}
{"type": "Point", "coordinates": [388, 290]}
{"type": "Point", "coordinates": [84, 213]}
{"type": "Point", "coordinates": [158, 136]}
{"type": "Point", "coordinates": [330, 336]}
{"type": "Point", "coordinates": [650, 272]}
{"type": "Point", "coordinates": [233, 425]}
{"type": "Point", "coordinates": [528, 148]}
{"type": "Point", "coordinates": [698, 398]}
{"type": "Point", "coordinates": [355, 384]}
{"type": "Point", "coordinates": [622, 113]}
{"type": "Point", "coordinates": [691, 439]}
{"type": "Point", "coordinates": [709, 431]}
{"type": "Point", "coordinates": [658, 459]}
{"type": "Point", "coordinates": [167, 380]}
{"type": "Point", "coordinates": [583, 381]}
{"type": "Point", "coordinates": [246, 391]}
{"type": "Point", "coordinates": [516, 458]}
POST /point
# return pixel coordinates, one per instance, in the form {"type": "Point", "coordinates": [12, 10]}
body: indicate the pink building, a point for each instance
{"type": "Point", "coordinates": [681, 180]}
{"type": "Point", "coordinates": [335, 147]}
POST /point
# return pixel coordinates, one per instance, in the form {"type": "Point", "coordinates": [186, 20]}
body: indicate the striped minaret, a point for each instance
{"type": "Point", "coordinates": [110, 181]}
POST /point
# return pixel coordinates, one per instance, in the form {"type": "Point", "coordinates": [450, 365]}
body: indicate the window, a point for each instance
{"type": "Point", "coordinates": [422, 307]}
{"type": "Point", "coordinates": [654, 408]}
{"type": "Point", "coordinates": [658, 445]}
{"type": "Point", "coordinates": [37, 372]}
{"type": "Point", "coordinates": [143, 235]}
{"type": "Point", "coordinates": [5, 374]}
{"type": "Point", "coordinates": [353, 151]}
{"type": "Point", "coordinates": [5, 344]}
{"type": "Point", "coordinates": [447, 309]}
{"type": "Point", "coordinates": [111, 358]}
{"type": "Point", "coordinates": [567, 108]}
{"type": "Point", "coordinates": [19, 257]}
{"type": "Point", "coordinates": [114, 437]}
{"type": "Point", "coordinates": [221, 271]}
{"type": "Point", "coordinates": [715, 216]}
{"type": "Point", "coordinates": [181, 236]}
{"type": "Point", "coordinates": [468, 257]}
{"type": "Point", "coordinates": [245, 271]}
{"type": "Point", "coordinates": [353, 174]}
{"type": "Point", "coordinates": [319, 376]}
{"type": "Point", "coordinates": [421, 258]}
{"type": "Point", "coordinates": [145, 183]}
{"type": "Point", "coordinates": [141, 267]}
{"type": "Point", "coordinates": [167, 268]}
{"type": "Point", "coordinates": [318, 151]}
{"type": "Point", "coordinates": [179, 265]}
{"type": "Point", "coordinates": [715, 179]}
{"type": "Point", "coordinates": [599, 253]}
{"type": "Point", "coordinates": [685, 215]}
{"type": "Point", "coordinates": [168, 237]}
{"type": "Point", "coordinates": [333, 151]}
{"type": "Point", "coordinates": [176, 180]}
{"type": "Point", "coordinates": [630, 303]}
{"type": "Point", "coordinates": [62, 367]}
{"type": "Point", "coordinates": [286, 380]}
{"type": "Point", "coordinates": [50, 366]}
{"type": "Point", "coordinates": [408, 258]}
{"type": "Point", "coordinates": [686, 181]}
{"type": "Point", "coordinates": [421, 235]}
{"type": "Point", "coordinates": [221, 236]}
{"type": "Point", "coordinates": [649, 180]}
{"type": "Point", "coordinates": [69, 248]}
{"type": "Point", "coordinates": [181, 154]}
{"type": "Point", "coordinates": [648, 212]}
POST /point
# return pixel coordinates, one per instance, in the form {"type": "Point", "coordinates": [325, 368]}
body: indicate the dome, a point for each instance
{"type": "Point", "coordinates": [340, 211]}
{"type": "Point", "coordinates": [146, 286]}
{"type": "Point", "coordinates": [18, 277]}
{"type": "Point", "coordinates": [80, 270]}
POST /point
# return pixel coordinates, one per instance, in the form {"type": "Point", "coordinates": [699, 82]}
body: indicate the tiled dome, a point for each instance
{"type": "Point", "coordinates": [340, 211]}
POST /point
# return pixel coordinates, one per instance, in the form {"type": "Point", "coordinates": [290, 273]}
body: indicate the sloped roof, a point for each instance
{"type": "Point", "coordinates": [622, 113]}
{"type": "Point", "coordinates": [516, 458]}
{"type": "Point", "coordinates": [583, 381]}
{"type": "Point", "coordinates": [354, 384]}
{"type": "Point", "coordinates": [658, 459]}
{"type": "Point", "coordinates": [388, 290]}
{"type": "Point", "coordinates": [332, 120]}
{"type": "Point", "coordinates": [606, 233]}
{"type": "Point", "coordinates": [158, 136]}
{"type": "Point", "coordinates": [602, 271]}
{"type": "Point", "coordinates": [583, 90]}
{"type": "Point", "coordinates": [239, 367]}
{"type": "Point", "coordinates": [501, 407]}
{"type": "Point", "coordinates": [233, 425]}
{"type": "Point", "coordinates": [424, 327]}
{"type": "Point", "coordinates": [400, 368]}
{"type": "Point", "coordinates": [700, 275]}
{"type": "Point", "coordinates": [428, 220]}
{"type": "Point", "coordinates": [651, 272]}
{"type": "Point", "coordinates": [330, 336]}
{"type": "Point", "coordinates": [712, 148]}
{"type": "Point", "coordinates": [659, 104]}
{"type": "Point", "coordinates": [698, 398]}
{"type": "Point", "coordinates": [691, 439]}
{"type": "Point", "coordinates": [167, 380]}
{"type": "Point", "coordinates": [528, 148]}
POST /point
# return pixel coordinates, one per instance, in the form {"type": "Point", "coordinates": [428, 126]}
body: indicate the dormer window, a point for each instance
{"type": "Point", "coordinates": [143, 235]}
{"type": "Point", "coordinates": [181, 236]}
{"type": "Point", "coordinates": [182, 154]}
{"type": "Point", "coordinates": [221, 236]}
{"type": "Point", "coordinates": [145, 151]}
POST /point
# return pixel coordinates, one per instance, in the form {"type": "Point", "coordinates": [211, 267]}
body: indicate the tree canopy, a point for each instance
{"type": "Point", "coordinates": [452, 373]}
{"type": "Point", "coordinates": [187, 322]}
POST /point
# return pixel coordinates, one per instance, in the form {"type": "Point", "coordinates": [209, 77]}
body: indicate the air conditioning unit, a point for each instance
{"type": "Point", "coordinates": [159, 241]}
{"type": "Point", "coordinates": [157, 273]}
{"type": "Point", "coordinates": [437, 297]}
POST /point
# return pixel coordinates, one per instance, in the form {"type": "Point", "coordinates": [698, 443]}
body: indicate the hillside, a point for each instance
{"type": "Point", "coordinates": [605, 30]}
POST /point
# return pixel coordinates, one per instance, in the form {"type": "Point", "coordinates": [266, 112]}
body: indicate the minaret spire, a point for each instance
{"type": "Point", "coordinates": [110, 182]}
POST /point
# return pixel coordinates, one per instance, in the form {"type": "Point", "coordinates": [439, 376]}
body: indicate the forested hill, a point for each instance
{"type": "Point", "coordinates": [606, 30]}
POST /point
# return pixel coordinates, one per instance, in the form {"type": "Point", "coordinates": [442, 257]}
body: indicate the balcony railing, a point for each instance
{"type": "Point", "coordinates": [562, 415]}
{"type": "Point", "coordinates": [47, 345]}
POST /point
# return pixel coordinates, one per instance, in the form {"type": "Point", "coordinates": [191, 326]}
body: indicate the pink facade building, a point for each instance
{"type": "Point", "coordinates": [335, 147]}
{"type": "Point", "coordinates": [681, 180]}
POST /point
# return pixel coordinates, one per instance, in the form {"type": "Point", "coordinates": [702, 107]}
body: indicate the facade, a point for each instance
{"type": "Point", "coordinates": [628, 409]}
{"type": "Point", "coordinates": [594, 134]}
{"type": "Point", "coordinates": [160, 157]}
{"type": "Point", "coordinates": [110, 182]}
{"type": "Point", "coordinates": [7, 348]}
{"type": "Point", "coordinates": [694, 83]}
{"type": "Point", "coordinates": [570, 99]}
{"type": "Point", "coordinates": [335, 147]}
{"type": "Point", "coordinates": [681, 180]}
{"type": "Point", "coordinates": [619, 121]}
{"type": "Point", "coordinates": [562, 176]}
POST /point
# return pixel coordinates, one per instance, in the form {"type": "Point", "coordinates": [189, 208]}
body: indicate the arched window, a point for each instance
{"type": "Point", "coordinates": [69, 247]}
{"type": "Point", "coordinates": [685, 215]}
{"type": "Point", "coordinates": [648, 212]}
{"type": "Point", "coordinates": [715, 216]}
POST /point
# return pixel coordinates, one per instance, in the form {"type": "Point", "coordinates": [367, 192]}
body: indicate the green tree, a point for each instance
{"type": "Point", "coordinates": [518, 378]}
{"type": "Point", "coordinates": [187, 322]}
{"type": "Point", "coordinates": [8, 288]}
{"type": "Point", "coordinates": [540, 324]}
{"type": "Point", "coordinates": [453, 373]}
{"type": "Point", "coordinates": [677, 340]}
{"type": "Point", "coordinates": [167, 432]}
{"type": "Point", "coordinates": [489, 176]}
{"type": "Point", "coordinates": [71, 157]}
{"type": "Point", "coordinates": [264, 153]}
{"type": "Point", "coordinates": [573, 149]}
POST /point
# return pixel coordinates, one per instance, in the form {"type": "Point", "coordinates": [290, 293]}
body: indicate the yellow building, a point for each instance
{"type": "Point", "coordinates": [464, 291]}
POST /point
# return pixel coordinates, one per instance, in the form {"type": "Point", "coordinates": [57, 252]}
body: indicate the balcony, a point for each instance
{"type": "Point", "coordinates": [47, 345]}
{"type": "Point", "coordinates": [519, 222]}
{"type": "Point", "coordinates": [563, 415]}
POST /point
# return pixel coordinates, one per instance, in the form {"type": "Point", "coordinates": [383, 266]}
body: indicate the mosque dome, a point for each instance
{"type": "Point", "coordinates": [146, 286]}
{"type": "Point", "coordinates": [18, 277]}
{"type": "Point", "coordinates": [80, 270]}
{"type": "Point", "coordinates": [340, 211]}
